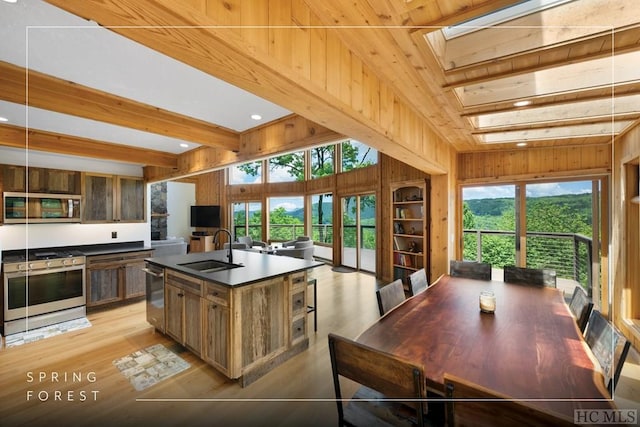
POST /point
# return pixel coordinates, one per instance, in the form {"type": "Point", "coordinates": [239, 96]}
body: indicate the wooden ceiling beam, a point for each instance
{"type": "Point", "coordinates": [51, 93]}
{"type": "Point", "coordinates": [31, 139]}
{"type": "Point", "coordinates": [351, 99]}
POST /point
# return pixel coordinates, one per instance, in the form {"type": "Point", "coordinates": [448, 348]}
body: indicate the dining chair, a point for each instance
{"type": "Point", "coordinates": [580, 307]}
{"type": "Point", "coordinates": [468, 404]}
{"type": "Point", "coordinates": [385, 381]}
{"type": "Point", "coordinates": [470, 269]}
{"type": "Point", "coordinates": [530, 276]}
{"type": "Point", "coordinates": [609, 347]}
{"type": "Point", "coordinates": [418, 282]}
{"type": "Point", "coordinates": [389, 296]}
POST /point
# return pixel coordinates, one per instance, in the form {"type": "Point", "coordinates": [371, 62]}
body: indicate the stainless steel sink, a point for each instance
{"type": "Point", "coordinates": [209, 266]}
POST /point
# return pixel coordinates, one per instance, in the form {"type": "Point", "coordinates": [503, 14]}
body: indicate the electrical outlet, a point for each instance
{"type": "Point", "coordinates": [114, 234]}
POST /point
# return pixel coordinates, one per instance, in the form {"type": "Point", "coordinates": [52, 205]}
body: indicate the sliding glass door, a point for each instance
{"type": "Point", "coordinates": [359, 232]}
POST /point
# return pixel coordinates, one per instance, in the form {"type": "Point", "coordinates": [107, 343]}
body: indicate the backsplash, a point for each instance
{"type": "Point", "coordinates": [21, 236]}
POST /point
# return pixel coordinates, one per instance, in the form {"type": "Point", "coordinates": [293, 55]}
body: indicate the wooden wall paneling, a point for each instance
{"type": "Point", "coordinates": [325, 184]}
{"type": "Point", "coordinates": [245, 192]}
{"type": "Point", "coordinates": [534, 163]}
{"type": "Point", "coordinates": [276, 189]}
{"type": "Point", "coordinates": [625, 228]}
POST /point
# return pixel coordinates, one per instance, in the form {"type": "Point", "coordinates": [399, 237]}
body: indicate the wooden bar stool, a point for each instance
{"type": "Point", "coordinates": [312, 308]}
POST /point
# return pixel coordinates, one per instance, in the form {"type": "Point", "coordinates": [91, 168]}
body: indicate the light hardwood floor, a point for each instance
{"type": "Point", "coordinates": [297, 393]}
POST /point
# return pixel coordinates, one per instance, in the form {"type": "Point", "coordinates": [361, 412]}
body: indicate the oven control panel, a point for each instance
{"type": "Point", "coordinates": [44, 264]}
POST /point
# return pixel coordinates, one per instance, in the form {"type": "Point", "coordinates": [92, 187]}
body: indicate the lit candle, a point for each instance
{"type": "Point", "coordinates": [487, 302]}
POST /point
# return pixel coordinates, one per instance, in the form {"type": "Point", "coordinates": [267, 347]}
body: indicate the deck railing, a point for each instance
{"type": "Point", "coordinates": [568, 254]}
{"type": "Point", "coordinates": [321, 234]}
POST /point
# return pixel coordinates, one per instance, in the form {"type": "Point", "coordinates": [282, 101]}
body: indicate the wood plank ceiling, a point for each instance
{"type": "Point", "coordinates": [581, 81]}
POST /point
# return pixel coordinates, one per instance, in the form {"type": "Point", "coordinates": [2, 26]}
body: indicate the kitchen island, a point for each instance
{"type": "Point", "coordinates": [243, 318]}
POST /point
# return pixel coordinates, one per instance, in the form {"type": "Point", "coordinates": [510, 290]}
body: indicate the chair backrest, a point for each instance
{"type": "Point", "coordinates": [235, 245]}
{"type": "Point", "coordinates": [470, 269]}
{"type": "Point", "coordinates": [247, 240]}
{"type": "Point", "coordinates": [609, 347]}
{"type": "Point", "coordinates": [390, 295]}
{"type": "Point", "coordinates": [469, 404]}
{"type": "Point", "coordinates": [418, 281]}
{"type": "Point", "coordinates": [395, 378]}
{"type": "Point", "coordinates": [580, 307]}
{"type": "Point", "coordinates": [530, 276]}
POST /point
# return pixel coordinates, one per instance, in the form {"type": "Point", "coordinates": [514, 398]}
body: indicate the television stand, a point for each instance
{"type": "Point", "coordinates": [201, 243]}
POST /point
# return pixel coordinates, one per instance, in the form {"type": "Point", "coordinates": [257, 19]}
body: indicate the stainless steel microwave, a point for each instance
{"type": "Point", "coordinates": [20, 208]}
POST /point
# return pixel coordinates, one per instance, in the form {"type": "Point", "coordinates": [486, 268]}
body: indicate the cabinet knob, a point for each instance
{"type": "Point", "coordinates": [213, 306]}
{"type": "Point", "coordinates": [181, 294]}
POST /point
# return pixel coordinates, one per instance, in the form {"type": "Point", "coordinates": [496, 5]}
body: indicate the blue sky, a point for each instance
{"type": "Point", "coordinates": [533, 190]}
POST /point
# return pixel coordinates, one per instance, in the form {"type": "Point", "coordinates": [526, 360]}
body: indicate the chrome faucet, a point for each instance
{"type": "Point", "coordinates": [215, 241]}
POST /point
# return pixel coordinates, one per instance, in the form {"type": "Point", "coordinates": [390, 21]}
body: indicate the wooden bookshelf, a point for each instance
{"type": "Point", "coordinates": [409, 230]}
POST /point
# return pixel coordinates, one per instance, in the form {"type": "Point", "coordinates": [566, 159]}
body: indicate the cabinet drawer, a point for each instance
{"type": "Point", "coordinates": [298, 302]}
{"type": "Point", "coordinates": [298, 278]}
{"type": "Point", "coordinates": [299, 328]}
{"type": "Point", "coordinates": [185, 282]}
{"type": "Point", "coordinates": [217, 293]}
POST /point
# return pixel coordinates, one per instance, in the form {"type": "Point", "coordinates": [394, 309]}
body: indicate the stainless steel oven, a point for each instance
{"type": "Point", "coordinates": [41, 292]}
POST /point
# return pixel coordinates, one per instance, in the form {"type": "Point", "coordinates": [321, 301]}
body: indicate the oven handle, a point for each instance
{"type": "Point", "coordinates": [23, 273]}
{"type": "Point", "coordinates": [153, 273]}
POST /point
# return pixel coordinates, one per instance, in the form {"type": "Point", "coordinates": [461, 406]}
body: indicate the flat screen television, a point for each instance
{"type": "Point", "coordinates": [205, 216]}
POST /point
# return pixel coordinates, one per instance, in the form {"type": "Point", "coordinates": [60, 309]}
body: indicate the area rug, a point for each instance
{"type": "Point", "coordinates": [45, 332]}
{"type": "Point", "coordinates": [147, 367]}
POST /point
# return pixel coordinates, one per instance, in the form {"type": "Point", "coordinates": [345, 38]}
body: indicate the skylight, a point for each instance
{"type": "Point", "coordinates": [498, 17]}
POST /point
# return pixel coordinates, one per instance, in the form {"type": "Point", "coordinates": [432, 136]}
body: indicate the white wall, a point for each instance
{"type": "Point", "coordinates": [180, 197]}
{"type": "Point", "coordinates": [21, 236]}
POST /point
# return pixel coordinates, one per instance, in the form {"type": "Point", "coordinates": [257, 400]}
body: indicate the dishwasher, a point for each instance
{"type": "Point", "coordinates": [155, 295]}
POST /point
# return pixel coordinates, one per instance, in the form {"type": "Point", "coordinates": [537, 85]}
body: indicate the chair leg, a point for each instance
{"type": "Point", "coordinates": [313, 308]}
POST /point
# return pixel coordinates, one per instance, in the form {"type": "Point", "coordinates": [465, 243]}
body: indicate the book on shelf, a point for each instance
{"type": "Point", "coordinates": [405, 260]}
{"type": "Point", "coordinates": [398, 244]}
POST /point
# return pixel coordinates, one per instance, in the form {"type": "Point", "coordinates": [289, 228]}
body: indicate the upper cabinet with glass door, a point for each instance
{"type": "Point", "coordinates": [112, 198]}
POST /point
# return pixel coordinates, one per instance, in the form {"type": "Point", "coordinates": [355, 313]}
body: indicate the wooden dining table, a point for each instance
{"type": "Point", "coordinates": [529, 349]}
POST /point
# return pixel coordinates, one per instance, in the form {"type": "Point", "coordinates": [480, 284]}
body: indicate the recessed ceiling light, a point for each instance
{"type": "Point", "coordinates": [3, 119]}
{"type": "Point", "coordinates": [256, 117]}
{"type": "Point", "coordinates": [183, 145]}
{"type": "Point", "coordinates": [521, 103]}
{"type": "Point", "coordinates": [521, 144]}
{"type": "Point", "coordinates": [11, 1]}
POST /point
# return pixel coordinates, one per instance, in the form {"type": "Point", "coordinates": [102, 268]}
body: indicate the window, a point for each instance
{"type": "Point", "coordinates": [286, 218]}
{"type": "Point", "coordinates": [247, 173]}
{"type": "Point", "coordinates": [322, 161]}
{"type": "Point", "coordinates": [287, 168]}
{"type": "Point", "coordinates": [357, 155]}
{"type": "Point", "coordinates": [247, 220]}
{"type": "Point", "coordinates": [537, 225]}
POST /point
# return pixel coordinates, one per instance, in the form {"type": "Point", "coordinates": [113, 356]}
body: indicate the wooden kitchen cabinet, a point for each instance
{"type": "Point", "coordinates": [115, 277]}
{"type": "Point", "coordinates": [216, 327]}
{"type": "Point", "coordinates": [113, 198]}
{"type": "Point", "coordinates": [298, 310]}
{"type": "Point", "coordinates": [40, 180]}
{"type": "Point", "coordinates": [183, 307]}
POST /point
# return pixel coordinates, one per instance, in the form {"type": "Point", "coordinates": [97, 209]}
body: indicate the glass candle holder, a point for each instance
{"type": "Point", "coordinates": [487, 302]}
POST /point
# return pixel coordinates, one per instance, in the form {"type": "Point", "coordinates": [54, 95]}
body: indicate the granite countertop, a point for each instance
{"type": "Point", "coordinates": [255, 266]}
{"type": "Point", "coordinates": [113, 248]}
{"type": "Point", "coordinates": [86, 250]}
